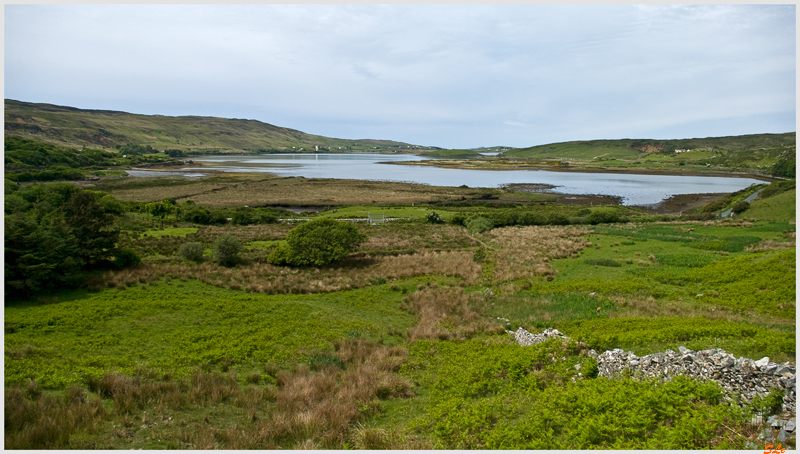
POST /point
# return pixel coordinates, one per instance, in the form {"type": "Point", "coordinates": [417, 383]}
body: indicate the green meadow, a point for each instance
{"type": "Point", "coordinates": [404, 344]}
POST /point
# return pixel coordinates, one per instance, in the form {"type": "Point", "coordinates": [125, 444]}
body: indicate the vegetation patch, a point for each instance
{"type": "Point", "coordinates": [502, 396]}
{"type": "Point", "coordinates": [602, 262]}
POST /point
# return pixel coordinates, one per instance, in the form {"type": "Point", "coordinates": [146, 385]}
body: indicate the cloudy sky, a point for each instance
{"type": "Point", "coordinates": [453, 76]}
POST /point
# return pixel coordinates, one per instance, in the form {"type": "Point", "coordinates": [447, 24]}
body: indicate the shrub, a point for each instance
{"type": "Point", "coordinates": [589, 368]}
{"type": "Point", "coordinates": [126, 258]}
{"type": "Point", "coordinates": [433, 218]}
{"type": "Point", "coordinates": [601, 262]}
{"type": "Point", "coordinates": [740, 207]}
{"type": "Point", "coordinates": [191, 251]}
{"type": "Point", "coordinates": [603, 217]}
{"type": "Point", "coordinates": [227, 249]}
{"type": "Point", "coordinates": [317, 243]}
{"type": "Point", "coordinates": [713, 206]}
{"type": "Point", "coordinates": [478, 224]}
{"type": "Point", "coordinates": [458, 219]}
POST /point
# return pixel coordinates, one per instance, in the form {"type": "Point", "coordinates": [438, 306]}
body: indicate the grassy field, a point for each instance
{"type": "Point", "coordinates": [403, 344]}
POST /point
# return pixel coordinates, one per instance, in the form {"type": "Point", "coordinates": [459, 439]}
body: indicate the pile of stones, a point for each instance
{"type": "Point", "coordinates": [524, 338]}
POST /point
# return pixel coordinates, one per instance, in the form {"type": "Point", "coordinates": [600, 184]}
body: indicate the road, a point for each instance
{"type": "Point", "coordinates": [750, 198]}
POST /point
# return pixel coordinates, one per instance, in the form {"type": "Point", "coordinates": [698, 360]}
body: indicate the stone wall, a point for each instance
{"type": "Point", "coordinates": [742, 376]}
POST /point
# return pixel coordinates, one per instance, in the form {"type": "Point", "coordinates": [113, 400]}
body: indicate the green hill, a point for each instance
{"type": "Point", "coordinates": [749, 153]}
{"type": "Point", "coordinates": [105, 129]}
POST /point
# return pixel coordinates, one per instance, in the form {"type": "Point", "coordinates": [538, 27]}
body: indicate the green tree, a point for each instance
{"type": "Point", "coordinates": [52, 233]}
{"type": "Point", "coordinates": [227, 249]}
{"type": "Point", "coordinates": [92, 226]}
{"type": "Point", "coordinates": [478, 224]}
{"type": "Point", "coordinates": [191, 251]}
{"type": "Point", "coordinates": [317, 243]}
{"type": "Point", "coordinates": [161, 209]}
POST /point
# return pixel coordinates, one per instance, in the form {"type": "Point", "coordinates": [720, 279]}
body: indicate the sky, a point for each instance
{"type": "Point", "coordinates": [451, 76]}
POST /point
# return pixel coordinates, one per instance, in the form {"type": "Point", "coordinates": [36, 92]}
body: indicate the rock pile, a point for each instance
{"type": "Point", "coordinates": [741, 376]}
{"type": "Point", "coordinates": [524, 338]}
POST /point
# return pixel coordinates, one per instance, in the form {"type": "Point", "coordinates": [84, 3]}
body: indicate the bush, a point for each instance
{"type": "Point", "coordinates": [126, 258]}
{"type": "Point", "coordinates": [317, 243]}
{"type": "Point", "coordinates": [589, 368]}
{"type": "Point", "coordinates": [603, 217]}
{"type": "Point", "coordinates": [713, 206]}
{"type": "Point", "coordinates": [227, 249]}
{"type": "Point", "coordinates": [601, 262]}
{"type": "Point", "coordinates": [740, 207]}
{"type": "Point", "coordinates": [191, 251]}
{"type": "Point", "coordinates": [478, 224]}
{"type": "Point", "coordinates": [433, 218]}
{"type": "Point", "coordinates": [458, 219]}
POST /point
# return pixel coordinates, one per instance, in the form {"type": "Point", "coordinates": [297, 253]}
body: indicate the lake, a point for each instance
{"type": "Point", "coordinates": [633, 189]}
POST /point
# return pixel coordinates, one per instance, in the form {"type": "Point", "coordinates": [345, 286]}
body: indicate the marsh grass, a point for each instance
{"type": "Point", "coordinates": [34, 420]}
{"type": "Point", "coordinates": [525, 252]}
{"type": "Point", "coordinates": [446, 313]}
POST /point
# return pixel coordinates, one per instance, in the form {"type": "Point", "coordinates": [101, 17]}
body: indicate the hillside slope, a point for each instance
{"type": "Point", "coordinates": [750, 153]}
{"type": "Point", "coordinates": [104, 129]}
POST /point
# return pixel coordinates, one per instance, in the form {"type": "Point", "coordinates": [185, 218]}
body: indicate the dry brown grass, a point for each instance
{"type": "Point", "coordinates": [266, 278]}
{"type": "Point", "coordinates": [771, 245]}
{"type": "Point", "coordinates": [38, 421]}
{"type": "Point", "coordinates": [446, 314]}
{"type": "Point", "coordinates": [415, 237]}
{"type": "Point", "coordinates": [525, 252]}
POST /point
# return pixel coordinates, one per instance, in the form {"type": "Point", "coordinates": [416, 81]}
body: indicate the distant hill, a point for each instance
{"type": "Point", "coordinates": [751, 153]}
{"type": "Point", "coordinates": [106, 129]}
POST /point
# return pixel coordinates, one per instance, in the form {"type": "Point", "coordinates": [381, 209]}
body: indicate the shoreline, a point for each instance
{"type": "Point", "coordinates": [617, 170]}
{"type": "Point", "coordinates": [672, 205]}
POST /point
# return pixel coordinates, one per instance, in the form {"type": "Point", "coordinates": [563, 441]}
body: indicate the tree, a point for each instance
{"type": "Point", "coordinates": [227, 249]}
{"type": "Point", "coordinates": [161, 209]}
{"type": "Point", "coordinates": [191, 251]}
{"type": "Point", "coordinates": [317, 243]}
{"type": "Point", "coordinates": [52, 233]}
{"type": "Point", "coordinates": [478, 224]}
{"type": "Point", "coordinates": [92, 226]}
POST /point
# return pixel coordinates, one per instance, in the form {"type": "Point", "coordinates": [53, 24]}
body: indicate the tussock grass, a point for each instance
{"type": "Point", "coordinates": [525, 252]}
{"type": "Point", "coordinates": [40, 421]}
{"type": "Point", "coordinates": [771, 245]}
{"type": "Point", "coordinates": [446, 314]}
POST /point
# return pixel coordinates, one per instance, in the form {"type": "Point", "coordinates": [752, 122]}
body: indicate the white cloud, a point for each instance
{"type": "Point", "coordinates": [447, 75]}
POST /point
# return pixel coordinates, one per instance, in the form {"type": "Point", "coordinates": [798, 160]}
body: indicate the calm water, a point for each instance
{"type": "Point", "coordinates": [633, 189]}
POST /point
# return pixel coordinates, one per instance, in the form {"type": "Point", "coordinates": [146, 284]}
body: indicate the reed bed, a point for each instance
{"type": "Point", "coordinates": [525, 252]}
{"type": "Point", "coordinates": [266, 278]}
{"type": "Point", "coordinates": [447, 314]}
